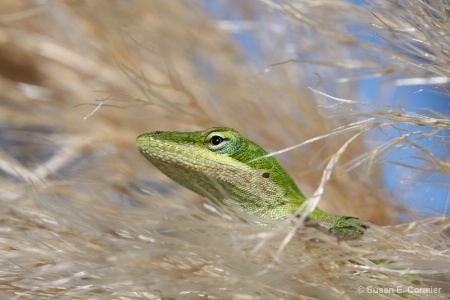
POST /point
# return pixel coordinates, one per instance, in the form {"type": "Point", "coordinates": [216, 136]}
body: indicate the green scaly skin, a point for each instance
{"type": "Point", "coordinates": [219, 164]}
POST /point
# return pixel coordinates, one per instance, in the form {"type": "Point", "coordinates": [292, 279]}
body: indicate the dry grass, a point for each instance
{"type": "Point", "coordinates": [83, 216]}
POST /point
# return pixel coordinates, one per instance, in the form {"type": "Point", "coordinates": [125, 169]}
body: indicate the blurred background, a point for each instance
{"type": "Point", "coordinates": [83, 215]}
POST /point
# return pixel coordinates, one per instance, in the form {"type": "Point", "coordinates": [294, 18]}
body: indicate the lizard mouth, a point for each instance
{"type": "Point", "coordinates": [142, 142]}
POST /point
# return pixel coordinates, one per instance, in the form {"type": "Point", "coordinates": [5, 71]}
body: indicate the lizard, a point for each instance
{"type": "Point", "coordinates": [228, 169]}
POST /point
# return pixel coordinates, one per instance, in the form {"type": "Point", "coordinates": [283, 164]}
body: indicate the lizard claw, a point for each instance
{"type": "Point", "coordinates": [348, 228]}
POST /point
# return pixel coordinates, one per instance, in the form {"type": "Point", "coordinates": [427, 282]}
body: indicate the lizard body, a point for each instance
{"type": "Point", "coordinates": [221, 165]}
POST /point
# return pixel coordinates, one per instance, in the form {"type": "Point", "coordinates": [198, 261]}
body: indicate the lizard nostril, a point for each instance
{"type": "Point", "coordinates": [158, 132]}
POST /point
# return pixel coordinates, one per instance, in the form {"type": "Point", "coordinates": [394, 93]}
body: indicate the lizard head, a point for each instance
{"type": "Point", "coordinates": [220, 164]}
{"type": "Point", "coordinates": [217, 145]}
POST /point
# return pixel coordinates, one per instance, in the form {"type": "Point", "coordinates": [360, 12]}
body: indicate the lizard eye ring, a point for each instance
{"type": "Point", "coordinates": [216, 140]}
{"type": "Point", "coordinates": [222, 142]}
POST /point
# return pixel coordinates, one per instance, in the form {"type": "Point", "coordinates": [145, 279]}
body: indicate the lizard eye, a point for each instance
{"type": "Point", "coordinates": [216, 140]}
{"type": "Point", "coordinates": [223, 142]}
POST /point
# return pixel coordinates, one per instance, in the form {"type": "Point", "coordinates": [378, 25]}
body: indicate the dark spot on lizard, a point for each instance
{"type": "Point", "coordinates": [158, 132]}
{"type": "Point", "coordinates": [266, 175]}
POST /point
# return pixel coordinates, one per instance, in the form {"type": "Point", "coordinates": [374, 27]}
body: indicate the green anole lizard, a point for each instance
{"type": "Point", "coordinates": [221, 165]}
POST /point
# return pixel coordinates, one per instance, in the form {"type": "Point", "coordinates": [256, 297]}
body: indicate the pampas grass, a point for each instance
{"type": "Point", "coordinates": [83, 216]}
